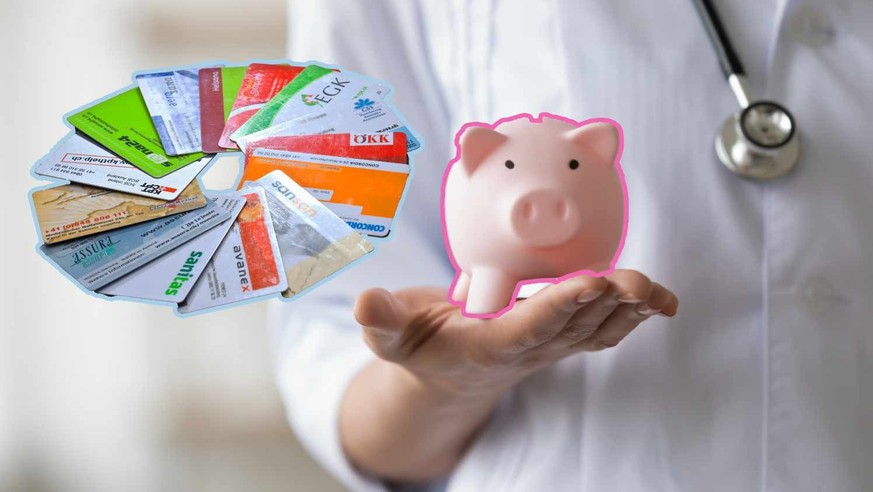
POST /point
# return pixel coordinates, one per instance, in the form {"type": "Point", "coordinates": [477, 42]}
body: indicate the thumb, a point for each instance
{"type": "Point", "coordinates": [384, 319]}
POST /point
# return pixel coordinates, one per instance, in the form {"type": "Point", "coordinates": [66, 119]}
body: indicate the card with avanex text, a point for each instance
{"type": "Point", "coordinates": [247, 263]}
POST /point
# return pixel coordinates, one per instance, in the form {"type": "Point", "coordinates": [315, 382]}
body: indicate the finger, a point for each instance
{"type": "Point", "coordinates": [630, 285]}
{"type": "Point", "coordinates": [625, 286]}
{"type": "Point", "coordinates": [613, 330]}
{"type": "Point", "coordinates": [383, 318]}
{"type": "Point", "coordinates": [418, 298]}
{"type": "Point", "coordinates": [537, 319]}
{"type": "Point", "coordinates": [657, 301]}
{"type": "Point", "coordinates": [671, 308]}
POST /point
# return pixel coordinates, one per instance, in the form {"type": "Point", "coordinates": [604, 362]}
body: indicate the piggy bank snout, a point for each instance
{"type": "Point", "coordinates": [545, 218]}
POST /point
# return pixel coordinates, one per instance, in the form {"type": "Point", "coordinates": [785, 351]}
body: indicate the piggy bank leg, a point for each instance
{"type": "Point", "coordinates": [490, 291]}
{"type": "Point", "coordinates": [462, 286]}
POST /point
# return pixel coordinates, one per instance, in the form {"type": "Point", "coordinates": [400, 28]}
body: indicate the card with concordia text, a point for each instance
{"type": "Point", "coordinates": [261, 82]}
{"type": "Point", "coordinates": [246, 265]}
{"type": "Point", "coordinates": [339, 102]}
{"type": "Point", "coordinates": [96, 260]}
{"type": "Point", "coordinates": [122, 124]}
{"type": "Point", "coordinates": [218, 89]}
{"type": "Point", "coordinates": [173, 101]}
{"type": "Point", "coordinates": [313, 241]}
{"type": "Point", "coordinates": [171, 277]}
{"type": "Point", "coordinates": [74, 210]}
{"type": "Point", "coordinates": [366, 194]}
{"type": "Point", "coordinates": [387, 147]}
{"type": "Point", "coordinates": [78, 159]}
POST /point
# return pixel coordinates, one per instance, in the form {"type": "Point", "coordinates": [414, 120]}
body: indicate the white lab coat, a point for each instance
{"type": "Point", "coordinates": [764, 381]}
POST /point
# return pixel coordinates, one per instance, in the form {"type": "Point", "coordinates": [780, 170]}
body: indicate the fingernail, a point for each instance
{"type": "Point", "coordinates": [626, 298]}
{"type": "Point", "coordinates": [646, 310]}
{"type": "Point", "coordinates": [588, 295]}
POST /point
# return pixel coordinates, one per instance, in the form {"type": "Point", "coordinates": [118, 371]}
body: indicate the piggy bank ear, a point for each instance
{"type": "Point", "coordinates": [476, 143]}
{"type": "Point", "coordinates": [600, 139]}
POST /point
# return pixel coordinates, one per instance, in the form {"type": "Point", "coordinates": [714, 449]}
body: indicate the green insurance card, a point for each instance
{"type": "Point", "coordinates": [123, 125]}
{"type": "Point", "coordinates": [231, 80]}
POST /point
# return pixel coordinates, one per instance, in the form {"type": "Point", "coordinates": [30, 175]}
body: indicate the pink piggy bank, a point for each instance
{"type": "Point", "coordinates": [531, 200]}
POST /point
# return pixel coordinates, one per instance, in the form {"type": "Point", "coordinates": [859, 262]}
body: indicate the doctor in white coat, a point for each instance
{"type": "Point", "coordinates": [763, 381]}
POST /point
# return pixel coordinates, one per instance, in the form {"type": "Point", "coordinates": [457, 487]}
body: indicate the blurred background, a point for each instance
{"type": "Point", "coordinates": [107, 396]}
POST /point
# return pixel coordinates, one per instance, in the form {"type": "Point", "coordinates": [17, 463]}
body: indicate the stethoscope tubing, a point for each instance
{"type": "Point", "coordinates": [728, 58]}
{"type": "Point", "coordinates": [736, 146]}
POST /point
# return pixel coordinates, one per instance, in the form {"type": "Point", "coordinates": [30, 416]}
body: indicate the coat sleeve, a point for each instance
{"type": "Point", "coordinates": [318, 347]}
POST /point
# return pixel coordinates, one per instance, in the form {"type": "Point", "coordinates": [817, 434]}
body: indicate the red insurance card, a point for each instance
{"type": "Point", "coordinates": [260, 83]}
{"type": "Point", "coordinates": [385, 147]}
{"type": "Point", "coordinates": [211, 109]}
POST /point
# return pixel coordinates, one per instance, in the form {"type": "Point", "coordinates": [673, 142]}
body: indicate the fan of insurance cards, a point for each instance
{"type": "Point", "coordinates": [325, 166]}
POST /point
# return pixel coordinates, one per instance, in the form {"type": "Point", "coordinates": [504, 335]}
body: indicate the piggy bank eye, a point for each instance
{"type": "Point", "coordinates": [509, 164]}
{"type": "Point", "coordinates": [574, 164]}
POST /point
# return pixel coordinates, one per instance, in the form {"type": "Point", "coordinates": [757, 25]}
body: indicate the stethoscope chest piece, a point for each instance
{"type": "Point", "coordinates": [760, 142]}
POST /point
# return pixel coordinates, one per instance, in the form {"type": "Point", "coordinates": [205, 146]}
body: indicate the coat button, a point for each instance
{"type": "Point", "coordinates": [810, 26]}
{"type": "Point", "coordinates": [817, 295]}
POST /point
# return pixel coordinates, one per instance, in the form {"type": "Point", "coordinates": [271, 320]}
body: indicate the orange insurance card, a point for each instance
{"type": "Point", "coordinates": [364, 193]}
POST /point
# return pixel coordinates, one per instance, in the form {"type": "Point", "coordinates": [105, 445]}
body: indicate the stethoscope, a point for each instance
{"type": "Point", "coordinates": [760, 141]}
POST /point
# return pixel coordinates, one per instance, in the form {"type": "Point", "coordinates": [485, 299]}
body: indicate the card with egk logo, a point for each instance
{"type": "Point", "coordinates": [324, 100]}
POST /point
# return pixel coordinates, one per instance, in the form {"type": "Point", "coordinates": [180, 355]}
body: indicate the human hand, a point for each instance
{"type": "Point", "coordinates": [420, 330]}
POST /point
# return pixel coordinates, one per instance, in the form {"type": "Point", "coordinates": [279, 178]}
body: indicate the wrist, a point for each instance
{"type": "Point", "coordinates": [443, 391]}
{"type": "Point", "coordinates": [397, 425]}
